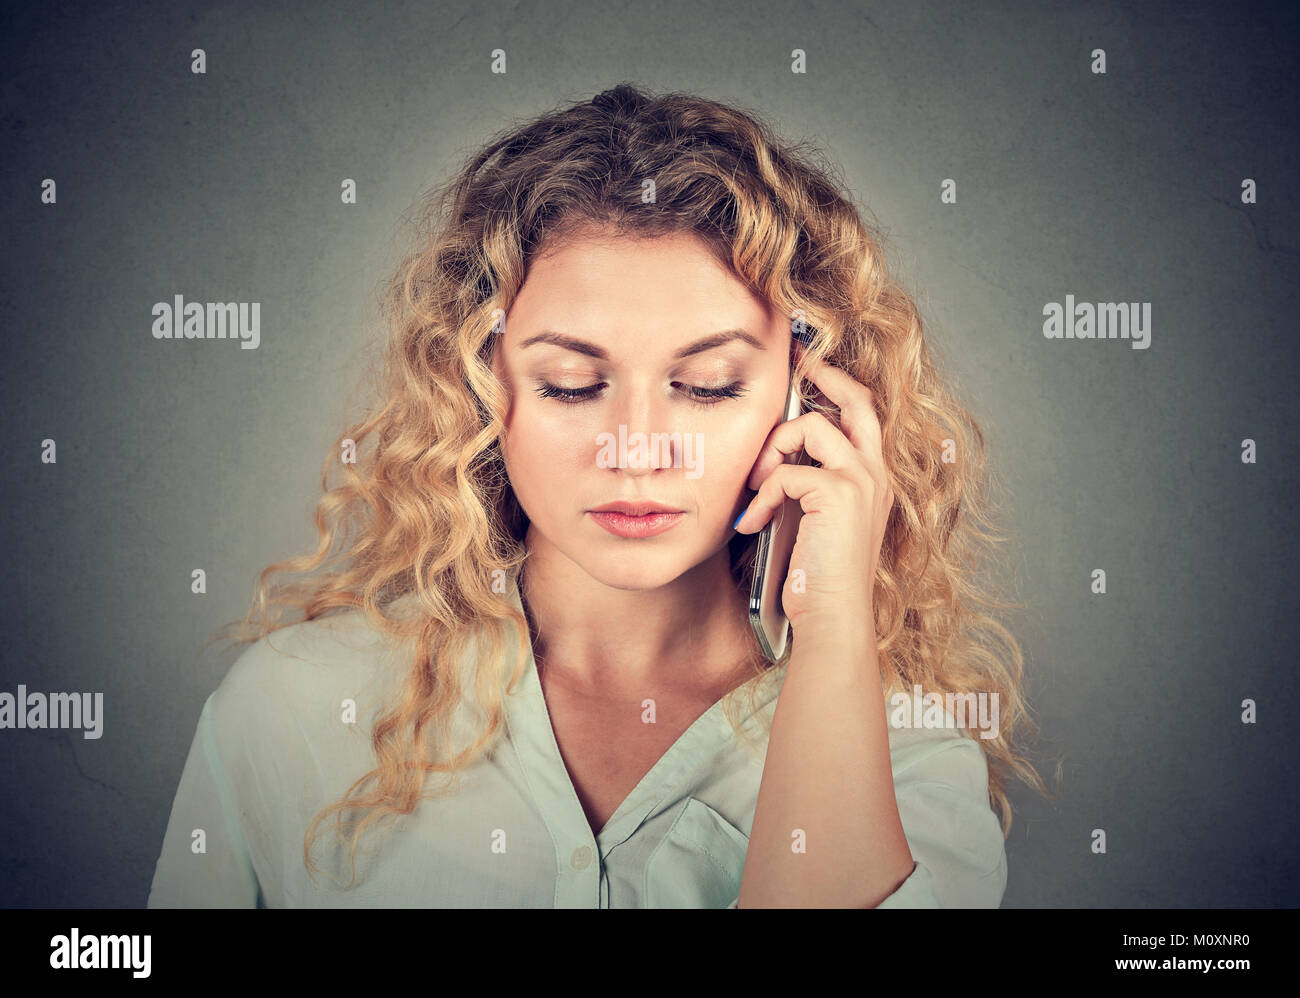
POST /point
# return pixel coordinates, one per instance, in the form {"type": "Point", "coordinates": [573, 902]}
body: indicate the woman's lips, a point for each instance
{"type": "Point", "coordinates": [625, 525]}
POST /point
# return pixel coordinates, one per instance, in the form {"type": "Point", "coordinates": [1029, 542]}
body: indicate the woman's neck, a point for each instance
{"type": "Point", "coordinates": [691, 634]}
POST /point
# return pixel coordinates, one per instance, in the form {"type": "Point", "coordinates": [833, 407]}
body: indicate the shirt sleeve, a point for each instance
{"type": "Point", "coordinates": [941, 786]}
{"type": "Point", "coordinates": [220, 873]}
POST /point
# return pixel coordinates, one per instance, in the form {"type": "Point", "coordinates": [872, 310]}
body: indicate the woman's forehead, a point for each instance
{"type": "Point", "coordinates": [600, 289]}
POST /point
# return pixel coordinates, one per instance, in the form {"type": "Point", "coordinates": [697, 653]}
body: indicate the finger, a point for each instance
{"type": "Point", "coordinates": [789, 481]}
{"type": "Point", "coordinates": [811, 433]}
{"type": "Point", "coordinates": [856, 403]}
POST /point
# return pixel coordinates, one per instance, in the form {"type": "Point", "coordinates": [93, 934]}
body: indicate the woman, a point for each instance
{"type": "Point", "coordinates": [525, 674]}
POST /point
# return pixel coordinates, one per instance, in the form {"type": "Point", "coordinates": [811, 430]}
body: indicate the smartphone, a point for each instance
{"type": "Point", "coordinates": [772, 558]}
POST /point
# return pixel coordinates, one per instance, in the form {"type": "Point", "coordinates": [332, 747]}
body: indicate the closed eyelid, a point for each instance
{"type": "Point", "coordinates": [699, 395]}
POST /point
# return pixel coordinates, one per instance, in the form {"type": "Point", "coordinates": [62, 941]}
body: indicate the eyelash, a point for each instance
{"type": "Point", "coordinates": [701, 397]}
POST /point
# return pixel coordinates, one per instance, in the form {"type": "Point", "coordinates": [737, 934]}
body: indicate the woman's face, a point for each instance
{"type": "Point", "coordinates": [638, 371]}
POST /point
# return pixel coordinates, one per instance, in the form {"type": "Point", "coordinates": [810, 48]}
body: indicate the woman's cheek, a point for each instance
{"type": "Point", "coordinates": [550, 439]}
{"type": "Point", "coordinates": [736, 459]}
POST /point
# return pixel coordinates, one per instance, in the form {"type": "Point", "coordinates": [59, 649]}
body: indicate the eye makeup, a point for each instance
{"type": "Point", "coordinates": [702, 397]}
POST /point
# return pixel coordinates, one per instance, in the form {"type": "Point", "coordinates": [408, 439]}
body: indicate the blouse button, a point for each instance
{"type": "Point", "coordinates": [581, 858]}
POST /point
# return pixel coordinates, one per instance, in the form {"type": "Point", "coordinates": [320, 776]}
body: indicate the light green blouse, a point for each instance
{"type": "Point", "coordinates": [274, 744]}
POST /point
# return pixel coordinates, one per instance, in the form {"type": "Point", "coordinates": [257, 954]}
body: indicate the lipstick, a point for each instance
{"type": "Point", "coordinates": [636, 519]}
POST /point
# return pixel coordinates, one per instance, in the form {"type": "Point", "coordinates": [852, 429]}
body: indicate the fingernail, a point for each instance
{"type": "Point", "coordinates": [738, 519]}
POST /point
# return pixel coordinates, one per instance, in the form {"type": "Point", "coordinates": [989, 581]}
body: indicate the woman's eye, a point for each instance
{"type": "Point", "coordinates": [712, 396]}
{"type": "Point", "coordinates": [700, 396]}
{"type": "Point", "coordinates": [549, 391]}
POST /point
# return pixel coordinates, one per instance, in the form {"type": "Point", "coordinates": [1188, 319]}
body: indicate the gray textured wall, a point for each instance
{"type": "Point", "coordinates": [225, 186]}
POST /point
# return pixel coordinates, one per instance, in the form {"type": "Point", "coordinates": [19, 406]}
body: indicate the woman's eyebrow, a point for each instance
{"type": "Point", "coordinates": [591, 350]}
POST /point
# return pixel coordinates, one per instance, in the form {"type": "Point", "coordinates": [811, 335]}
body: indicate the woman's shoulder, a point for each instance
{"type": "Point", "coordinates": [306, 672]}
{"type": "Point", "coordinates": [946, 754]}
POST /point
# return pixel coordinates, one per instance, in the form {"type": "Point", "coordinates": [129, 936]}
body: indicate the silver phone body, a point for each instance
{"type": "Point", "coordinates": [772, 558]}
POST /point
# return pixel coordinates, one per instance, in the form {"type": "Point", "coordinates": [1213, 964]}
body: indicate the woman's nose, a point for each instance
{"type": "Point", "coordinates": [644, 437]}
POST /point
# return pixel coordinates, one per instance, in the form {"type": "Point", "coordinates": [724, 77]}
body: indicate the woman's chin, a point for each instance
{"type": "Point", "coordinates": [637, 569]}
{"type": "Point", "coordinates": [634, 578]}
